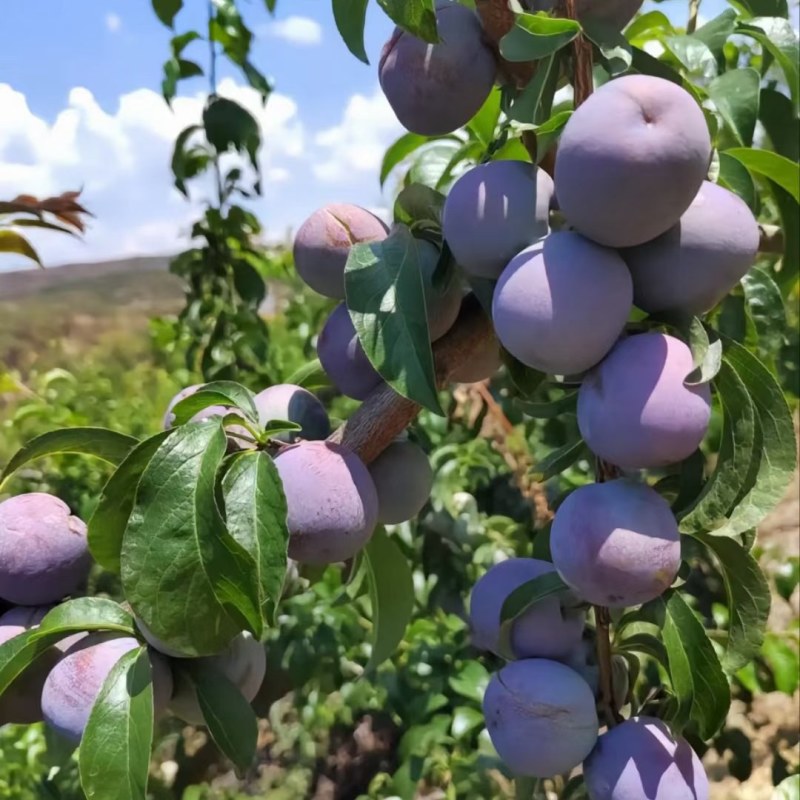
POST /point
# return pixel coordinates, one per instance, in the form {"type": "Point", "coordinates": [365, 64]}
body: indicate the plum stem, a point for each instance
{"type": "Point", "coordinates": [694, 8]}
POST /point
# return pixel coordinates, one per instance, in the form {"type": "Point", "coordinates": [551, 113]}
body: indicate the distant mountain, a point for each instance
{"type": "Point", "coordinates": [24, 283]}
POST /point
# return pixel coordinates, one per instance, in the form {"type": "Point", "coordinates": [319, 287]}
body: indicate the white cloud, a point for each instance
{"type": "Point", "coordinates": [357, 144]}
{"type": "Point", "coordinates": [113, 22]}
{"type": "Point", "coordinates": [120, 157]}
{"type": "Point", "coordinates": [294, 29]}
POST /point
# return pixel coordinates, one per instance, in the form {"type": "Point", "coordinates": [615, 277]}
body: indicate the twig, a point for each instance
{"type": "Point", "coordinates": [694, 7]}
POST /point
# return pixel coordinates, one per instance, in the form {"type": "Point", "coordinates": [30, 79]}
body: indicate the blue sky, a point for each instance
{"type": "Point", "coordinates": [80, 105]}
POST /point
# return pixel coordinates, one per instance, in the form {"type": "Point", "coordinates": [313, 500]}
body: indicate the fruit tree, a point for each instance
{"type": "Point", "coordinates": [612, 231]}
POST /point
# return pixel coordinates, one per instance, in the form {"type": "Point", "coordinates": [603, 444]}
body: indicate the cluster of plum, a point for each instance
{"type": "Point", "coordinates": [334, 504]}
{"type": "Point", "coordinates": [628, 220]}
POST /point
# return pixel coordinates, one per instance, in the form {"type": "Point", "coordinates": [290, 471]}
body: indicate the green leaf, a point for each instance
{"type": "Point", "coordinates": [350, 16]}
{"type": "Point", "coordinates": [391, 592]}
{"type": "Point", "coordinates": [716, 32]}
{"type": "Point", "coordinates": [115, 748]}
{"type": "Point", "coordinates": [647, 644]}
{"type": "Point", "coordinates": [555, 462]}
{"type": "Point", "coordinates": [417, 203]}
{"type": "Point", "coordinates": [693, 54]}
{"type": "Point", "coordinates": [167, 10]}
{"type": "Point", "coordinates": [730, 476]}
{"type": "Point", "coordinates": [107, 524]}
{"type": "Point", "coordinates": [646, 64]}
{"type": "Point", "coordinates": [526, 379]}
{"type": "Point", "coordinates": [399, 150]}
{"type": "Point", "coordinates": [257, 80]}
{"type": "Point", "coordinates": [766, 308]}
{"type": "Point", "coordinates": [231, 126]}
{"type": "Point", "coordinates": [790, 223]}
{"type": "Point", "coordinates": [734, 175]}
{"type": "Point", "coordinates": [471, 681]}
{"type": "Point", "coordinates": [698, 681]}
{"type": "Point", "coordinates": [465, 720]}
{"type": "Point", "coordinates": [704, 343]}
{"type": "Point", "coordinates": [775, 459]}
{"type": "Point", "coordinates": [386, 299]}
{"type": "Point", "coordinates": [222, 393]}
{"type": "Point", "coordinates": [180, 42]}
{"type": "Point", "coordinates": [644, 23]}
{"type": "Point", "coordinates": [548, 132]}
{"type": "Point", "coordinates": [523, 598]}
{"type": "Point", "coordinates": [483, 124]}
{"type": "Point", "coordinates": [748, 600]}
{"type": "Point", "coordinates": [552, 409]}
{"type": "Point", "coordinates": [780, 122]}
{"type": "Point", "coordinates": [788, 789]}
{"type": "Point", "coordinates": [418, 17]}
{"type": "Point", "coordinates": [771, 165]}
{"type": "Point", "coordinates": [101, 443]}
{"type": "Point", "coordinates": [534, 37]}
{"type": "Point", "coordinates": [432, 163]}
{"type": "Point", "coordinates": [255, 509]}
{"type": "Point", "coordinates": [782, 659]}
{"type": "Point", "coordinates": [778, 37]}
{"type": "Point", "coordinates": [191, 583]}
{"type": "Point", "coordinates": [310, 376]}
{"type": "Point", "coordinates": [74, 616]}
{"type": "Point", "coordinates": [736, 95]}
{"type": "Point", "coordinates": [183, 166]}
{"type": "Point", "coordinates": [615, 51]}
{"type": "Point", "coordinates": [13, 242]}
{"type": "Point", "coordinates": [230, 719]}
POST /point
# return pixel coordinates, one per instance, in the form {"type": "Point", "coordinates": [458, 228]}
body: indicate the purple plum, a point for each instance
{"type": "Point", "coordinates": [616, 543]}
{"type": "Point", "coordinates": [631, 159]}
{"type": "Point", "coordinates": [692, 266]}
{"type": "Point", "coordinates": [584, 661]}
{"type": "Point", "coordinates": [552, 628]}
{"type": "Point", "coordinates": [403, 479]}
{"type": "Point", "coordinates": [44, 555]}
{"type": "Point", "coordinates": [343, 358]}
{"type": "Point", "coordinates": [323, 243]}
{"type": "Point", "coordinates": [75, 682]}
{"type": "Point", "coordinates": [561, 304]}
{"type": "Point", "coordinates": [243, 663]}
{"type": "Point", "coordinates": [21, 703]}
{"type": "Point", "coordinates": [434, 89]}
{"type": "Point", "coordinates": [285, 401]}
{"type": "Point", "coordinates": [495, 210]}
{"type": "Point", "coordinates": [332, 501]}
{"type": "Point", "coordinates": [639, 759]}
{"type": "Point", "coordinates": [634, 409]}
{"type": "Point", "coordinates": [541, 717]}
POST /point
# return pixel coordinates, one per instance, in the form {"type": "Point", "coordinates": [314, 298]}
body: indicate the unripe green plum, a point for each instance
{"type": "Point", "coordinates": [343, 358]}
{"type": "Point", "coordinates": [403, 479]}
{"type": "Point", "coordinates": [332, 502]}
{"type": "Point", "coordinates": [641, 758]}
{"type": "Point", "coordinates": [541, 717]}
{"type": "Point", "coordinates": [551, 628]}
{"type": "Point", "coordinates": [495, 210]}
{"type": "Point", "coordinates": [434, 89]}
{"type": "Point", "coordinates": [616, 543]}
{"type": "Point", "coordinates": [44, 554]}
{"type": "Point", "coordinates": [634, 409]}
{"type": "Point", "coordinates": [615, 13]}
{"type": "Point", "coordinates": [561, 304]}
{"type": "Point", "coordinates": [75, 682]}
{"type": "Point", "coordinates": [243, 663]}
{"type": "Point", "coordinates": [692, 266]}
{"type": "Point", "coordinates": [323, 243]}
{"type": "Point", "coordinates": [285, 401]}
{"type": "Point", "coordinates": [631, 160]}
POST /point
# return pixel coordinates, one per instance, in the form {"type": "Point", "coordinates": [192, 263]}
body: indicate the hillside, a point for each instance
{"type": "Point", "coordinates": [68, 308]}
